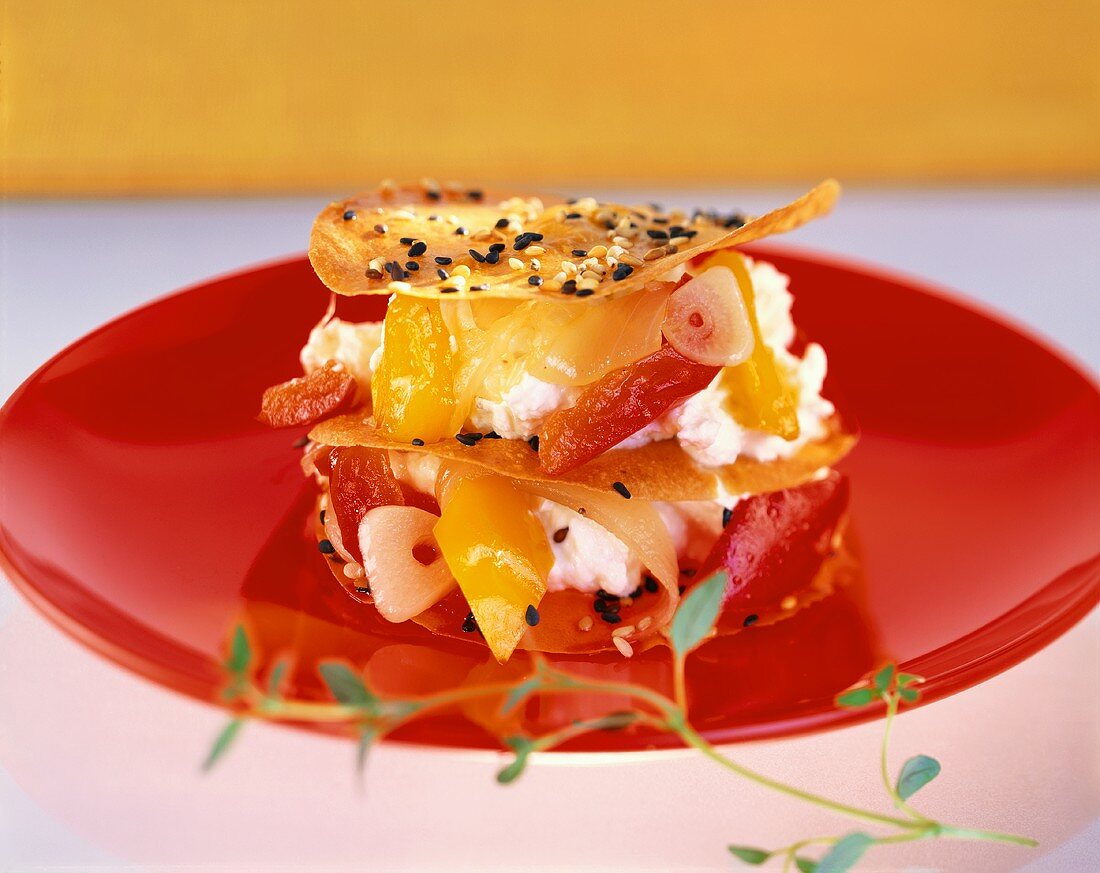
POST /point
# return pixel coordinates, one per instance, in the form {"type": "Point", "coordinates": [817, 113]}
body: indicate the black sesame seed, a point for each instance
{"type": "Point", "coordinates": [654, 233]}
{"type": "Point", "coordinates": [469, 624]}
{"type": "Point", "coordinates": [362, 589]}
{"type": "Point", "coordinates": [467, 439]}
{"type": "Point", "coordinates": [599, 605]}
{"type": "Point", "coordinates": [750, 619]}
{"type": "Point", "coordinates": [727, 514]}
{"type": "Point", "coordinates": [688, 571]}
{"type": "Point", "coordinates": [433, 217]}
{"type": "Point", "coordinates": [477, 256]}
{"type": "Point", "coordinates": [434, 195]}
{"type": "Point", "coordinates": [537, 237]}
{"type": "Point", "coordinates": [443, 262]}
{"type": "Point", "coordinates": [501, 223]}
{"type": "Point", "coordinates": [380, 228]}
{"type": "Point", "coordinates": [449, 290]}
{"type": "Point", "coordinates": [560, 534]}
{"type": "Point", "coordinates": [395, 271]}
{"type": "Point", "coordinates": [492, 257]}
{"type": "Point", "coordinates": [621, 272]}
{"type": "Point", "coordinates": [651, 585]}
{"type": "Point", "coordinates": [442, 274]}
{"type": "Point", "coordinates": [412, 265]}
{"type": "Point", "coordinates": [461, 231]}
{"type": "Point", "coordinates": [325, 547]}
{"type": "Point", "coordinates": [571, 215]}
{"type": "Point", "coordinates": [533, 442]}
{"type": "Point", "coordinates": [522, 241]}
{"type": "Point", "coordinates": [418, 249]}
{"type": "Point", "coordinates": [532, 616]}
{"type": "Point", "coordinates": [621, 489]}
{"type": "Point", "coordinates": [417, 441]}
{"type": "Point", "coordinates": [349, 214]}
{"type": "Point", "coordinates": [374, 274]}
{"type": "Point", "coordinates": [611, 617]}
{"type": "Point", "coordinates": [534, 280]}
{"type": "Point", "coordinates": [659, 219]}
{"type": "Point", "coordinates": [407, 240]}
{"type": "Point", "coordinates": [734, 220]}
{"type": "Point", "coordinates": [492, 435]}
{"type": "Point", "coordinates": [479, 287]}
{"type": "Point", "coordinates": [322, 516]}
{"type": "Point", "coordinates": [580, 253]}
{"type": "Point", "coordinates": [681, 588]}
{"type": "Point", "coordinates": [497, 247]}
{"type": "Point", "coordinates": [585, 292]}
{"type": "Point", "coordinates": [676, 230]}
{"type": "Point", "coordinates": [475, 194]}
{"type": "Point", "coordinates": [300, 443]}
{"type": "Point", "coordinates": [636, 593]}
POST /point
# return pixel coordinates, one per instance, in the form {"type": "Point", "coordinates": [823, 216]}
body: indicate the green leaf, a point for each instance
{"type": "Point", "coordinates": [909, 695]}
{"type": "Point", "coordinates": [522, 747]}
{"type": "Point", "coordinates": [367, 737]}
{"type": "Point", "coordinates": [520, 693]}
{"type": "Point", "coordinates": [883, 677]}
{"type": "Point", "coordinates": [614, 721]}
{"type": "Point", "coordinates": [906, 679]}
{"type": "Point", "coordinates": [749, 855]}
{"type": "Point", "coordinates": [855, 698]}
{"type": "Point", "coordinates": [805, 865]}
{"type": "Point", "coordinates": [222, 743]}
{"type": "Point", "coordinates": [697, 614]}
{"type": "Point", "coordinates": [240, 652]}
{"type": "Point", "coordinates": [845, 853]}
{"type": "Point", "coordinates": [915, 773]}
{"type": "Point", "coordinates": [275, 678]}
{"type": "Point", "coordinates": [345, 685]}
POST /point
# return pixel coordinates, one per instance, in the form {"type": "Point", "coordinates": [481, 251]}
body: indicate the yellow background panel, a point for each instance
{"type": "Point", "coordinates": [123, 96]}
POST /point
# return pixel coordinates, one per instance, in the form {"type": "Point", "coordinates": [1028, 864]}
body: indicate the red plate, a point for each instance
{"type": "Point", "coordinates": [145, 510]}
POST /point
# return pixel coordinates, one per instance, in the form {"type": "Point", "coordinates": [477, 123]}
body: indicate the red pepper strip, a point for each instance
{"type": "Point", "coordinates": [361, 479]}
{"type": "Point", "coordinates": [618, 405]}
{"type": "Point", "coordinates": [775, 543]}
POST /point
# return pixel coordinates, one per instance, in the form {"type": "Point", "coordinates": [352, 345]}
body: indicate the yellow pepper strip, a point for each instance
{"type": "Point", "coordinates": [497, 551]}
{"type": "Point", "coordinates": [758, 393]}
{"type": "Point", "coordinates": [413, 387]}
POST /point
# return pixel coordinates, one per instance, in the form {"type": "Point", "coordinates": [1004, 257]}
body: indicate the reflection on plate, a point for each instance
{"type": "Point", "coordinates": [146, 510]}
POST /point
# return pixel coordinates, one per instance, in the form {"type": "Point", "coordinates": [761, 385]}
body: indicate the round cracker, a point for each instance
{"type": "Point", "coordinates": [656, 471]}
{"type": "Point", "coordinates": [410, 240]}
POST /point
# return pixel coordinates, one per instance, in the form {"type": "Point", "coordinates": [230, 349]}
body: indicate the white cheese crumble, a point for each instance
{"type": "Point", "coordinates": [522, 408]}
{"type": "Point", "coordinates": [352, 344]}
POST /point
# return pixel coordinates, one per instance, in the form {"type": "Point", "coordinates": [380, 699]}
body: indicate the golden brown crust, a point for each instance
{"type": "Point", "coordinates": [656, 471]}
{"type": "Point", "coordinates": [350, 254]}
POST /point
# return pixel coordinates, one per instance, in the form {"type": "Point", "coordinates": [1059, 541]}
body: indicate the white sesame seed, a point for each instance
{"type": "Point", "coordinates": [679, 240]}
{"type": "Point", "coordinates": [559, 277]}
{"type": "Point", "coordinates": [536, 250]}
{"type": "Point", "coordinates": [403, 214]}
{"type": "Point", "coordinates": [536, 264]}
{"type": "Point", "coordinates": [461, 270]}
{"type": "Point", "coordinates": [591, 275]}
{"type": "Point", "coordinates": [645, 622]}
{"type": "Point", "coordinates": [588, 284]}
{"type": "Point", "coordinates": [615, 251]}
{"type": "Point", "coordinates": [625, 649]}
{"type": "Point", "coordinates": [353, 570]}
{"type": "Point", "coordinates": [515, 263]}
{"type": "Point", "coordinates": [376, 264]}
{"type": "Point", "coordinates": [654, 254]}
{"type": "Point", "coordinates": [624, 631]}
{"type": "Point", "coordinates": [569, 267]}
{"type": "Point", "coordinates": [633, 260]}
{"type": "Point", "coordinates": [621, 240]}
{"type": "Point", "coordinates": [398, 286]}
{"type": "Point", "coordinates": [585, 624]}
{"type": "Point", "coordinates": [597, 252]}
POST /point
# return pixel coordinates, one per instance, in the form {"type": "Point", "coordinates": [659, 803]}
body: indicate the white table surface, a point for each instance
{"type": "Point", "coordinates": [98, 767]}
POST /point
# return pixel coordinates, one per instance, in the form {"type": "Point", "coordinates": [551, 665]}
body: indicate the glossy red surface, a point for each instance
{"type": "Point", "coordinates": [145, 509]}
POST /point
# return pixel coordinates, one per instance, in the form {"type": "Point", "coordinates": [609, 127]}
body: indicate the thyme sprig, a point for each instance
{"type": "Point", "coordinates": [371, 717]}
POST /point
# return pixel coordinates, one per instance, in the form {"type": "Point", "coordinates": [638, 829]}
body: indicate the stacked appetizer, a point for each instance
{"type": "Point", "coordinates": [570, 412]}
